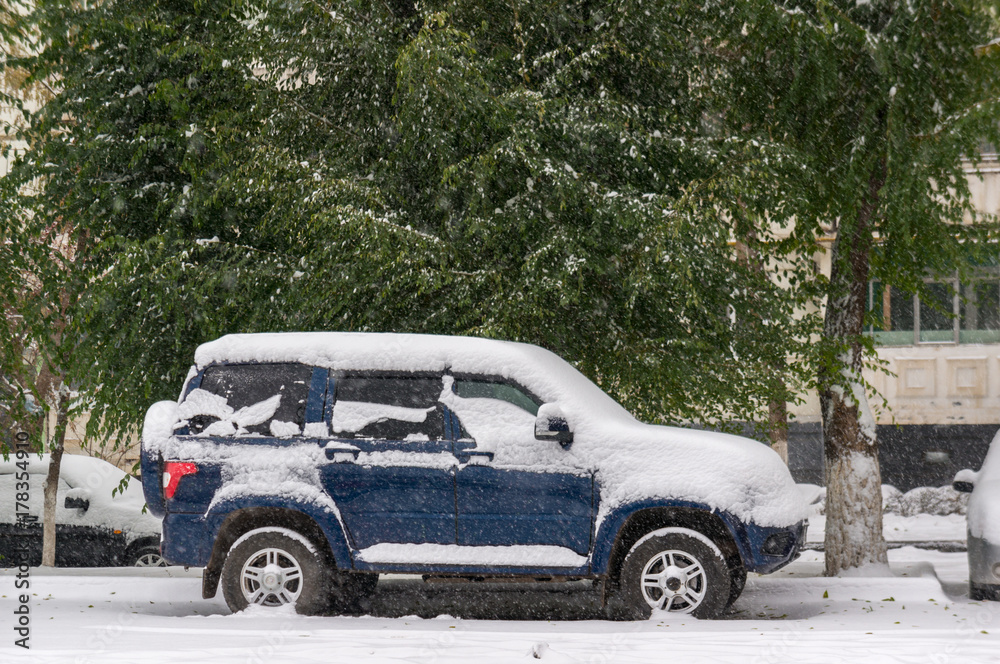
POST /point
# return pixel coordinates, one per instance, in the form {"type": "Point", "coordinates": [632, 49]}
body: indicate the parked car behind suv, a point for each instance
{"type": "Point", "coordinates": [297, 467]}
{"type": "Point", "coordinates": [93, 527]}
{"type": "Point", "coordinates": [983, 524]}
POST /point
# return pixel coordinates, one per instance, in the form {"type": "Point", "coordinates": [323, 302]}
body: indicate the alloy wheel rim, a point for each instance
{"type": "Point", "coordinates": [674, 581]}
{"type": "Point", "coordinates": [271, 577]}
{"type": "Point", "coordinates": [150, 560]}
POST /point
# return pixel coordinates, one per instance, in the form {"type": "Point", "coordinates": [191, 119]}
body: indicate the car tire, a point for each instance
{"type": "Point", "coordinates": [982, 592]}
{"type": "Point", "coordinates": [273, 567]}
{"type": "Point", "coordinates": [674, 569]}
{"type": "Point", "coordinates": [147, 556]}
{"type": "Point", "coordinates": [737, 579]}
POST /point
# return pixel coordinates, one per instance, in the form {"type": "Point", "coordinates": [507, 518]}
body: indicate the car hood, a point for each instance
{"type": "Point", "coordinates": [98, 482]}
{"type": "Point", "coordinates": [634, 461]}
{"type": "Point", "coordinates": [123, 511]}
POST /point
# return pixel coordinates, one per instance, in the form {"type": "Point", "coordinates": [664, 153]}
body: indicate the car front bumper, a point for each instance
{"type": "Point", "coordinates": [984, 556]}
{"type": "Point", "coordinates": [771, 548]}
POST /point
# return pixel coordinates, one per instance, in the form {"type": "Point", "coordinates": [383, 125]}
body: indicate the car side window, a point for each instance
{"type": "Point", "coordinates": [246, 399]}
{"type": "Point", "coordinates": [481, 389]}
{"type": "Point", "coordinates": [492, 411]}
{"type": "Point", "coordinates": [388, 408]}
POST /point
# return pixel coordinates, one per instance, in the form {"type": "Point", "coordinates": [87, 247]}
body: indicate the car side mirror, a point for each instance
{"type": "Point", "coordinates": [77, 499]}
{"type": "Point", "coordinates": [551, 424]}
{"type": "Point", "coordinates": [965, 481]}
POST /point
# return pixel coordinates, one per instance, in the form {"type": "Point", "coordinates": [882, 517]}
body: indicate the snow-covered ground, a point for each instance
{"type": "Point", "coordinates": [134, 616]}
{"type": "Point", "coordinates": [922, 515]}
{"type": "Point", "coordinates": [916, 528]}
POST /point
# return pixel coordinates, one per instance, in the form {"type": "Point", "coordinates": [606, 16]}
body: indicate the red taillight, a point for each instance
{"type": "Point", "coordinates": [173, 471]}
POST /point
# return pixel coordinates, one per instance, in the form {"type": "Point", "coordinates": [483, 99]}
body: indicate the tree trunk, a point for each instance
{"type": "Point", "coordinates": [853, 482]}
{"type": "Point", "coordinates": [52, 481]}
{"type": "Point", "coordinates": [778, 411]}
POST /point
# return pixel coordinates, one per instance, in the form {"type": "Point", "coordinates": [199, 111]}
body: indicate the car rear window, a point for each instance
{"type": "Point", "coordinates": [246, 385]}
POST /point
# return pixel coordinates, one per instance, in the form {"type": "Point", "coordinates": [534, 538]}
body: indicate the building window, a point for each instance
{"type": "Point", "coordinates": [948, 312]}
{"type": "Point", "coordinates": [980, 312]}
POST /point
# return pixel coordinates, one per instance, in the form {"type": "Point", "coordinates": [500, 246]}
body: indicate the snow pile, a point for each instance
{"type": "Point", "coordinates": [811, 494]}
{"type": "Point", "coordinates": [291, 472]}
{"type": "Point", "coordinates": [162, 419]}
{"type": "Point", "coordinates": [891, 500]}
{"type": "Point", "coordinates": [743, 477]}
{"type": "Point", "coordinates": [230, 422]}
{"type": "Point", "coordinates": [542, 372]}
{"type": "Point", "coordinates": [449, 554]}
{"type": "Point", "coordinates": [937, 501]}
{"type": "Point", "coordinates": [281, 429]}
{"type": "Point", "coordinates": [435, 460]}
{"type": "Point", "coordinates": [351, 416]}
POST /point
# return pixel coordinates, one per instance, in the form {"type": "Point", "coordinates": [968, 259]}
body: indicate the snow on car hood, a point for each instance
{"type": "Point", "coordinates": [740, 476]}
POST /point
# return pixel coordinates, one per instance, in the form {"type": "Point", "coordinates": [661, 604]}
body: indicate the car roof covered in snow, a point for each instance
{"type": "Point", "coordinates": [540, 371]}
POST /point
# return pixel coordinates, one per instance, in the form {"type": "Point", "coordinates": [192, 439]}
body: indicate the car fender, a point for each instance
{"type": "Point", "coordinates": [326, 518]}
{"type": "Point", "coordinates": [609, 528]}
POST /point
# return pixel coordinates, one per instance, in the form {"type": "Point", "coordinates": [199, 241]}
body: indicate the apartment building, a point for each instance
{"type": "Point", "coordinates": [943, 383]}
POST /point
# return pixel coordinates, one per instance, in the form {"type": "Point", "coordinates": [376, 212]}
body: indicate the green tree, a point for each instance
{"type": "Point", "coordinates": [39, 287]}
{"type": "Point", "coordinates": [538, 173]}
{"type": "Point", "coordinates": [110, 138]}
{"type": "Point", "coordinates": [879, 104]}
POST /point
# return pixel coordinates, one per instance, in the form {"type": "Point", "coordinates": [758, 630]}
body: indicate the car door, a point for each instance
{"type": "Point", "coordinates": [84, 535]}
{"type": "Point", "coordinates": [26, 535]}
{"type": "Point", "coordinates": [510, 488]}
{"type": "Point", "coordinates": [391, 463]}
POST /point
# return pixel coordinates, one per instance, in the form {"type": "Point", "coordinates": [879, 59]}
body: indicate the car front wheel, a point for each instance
{"type": "Point", "coordinates": [984, 592]}
{"type": "Point", "coordinates": [677, 570]}
{"type": "Point", "coordinates": [275, 567]}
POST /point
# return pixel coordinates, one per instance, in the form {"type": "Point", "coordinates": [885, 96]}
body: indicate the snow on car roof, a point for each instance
{"type": "Point", "coordinates": [539, 370]}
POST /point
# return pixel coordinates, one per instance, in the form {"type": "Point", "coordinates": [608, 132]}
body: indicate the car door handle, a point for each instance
{"type": "Point", "coordinates": [342, 454]}
{"type": "Point", "coordinates": [475, 457]}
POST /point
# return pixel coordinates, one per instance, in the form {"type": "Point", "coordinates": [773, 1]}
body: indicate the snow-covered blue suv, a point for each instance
{"type": "Point", "coordinates": [297, 467]}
